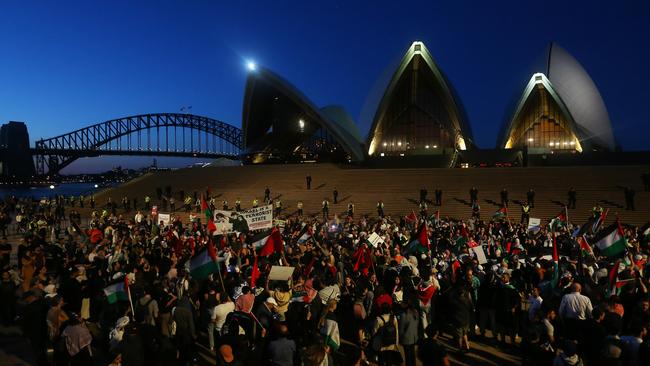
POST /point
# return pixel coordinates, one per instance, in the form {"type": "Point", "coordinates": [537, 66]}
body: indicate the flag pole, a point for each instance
{"type": "Point", "coordinates": [128, 291]}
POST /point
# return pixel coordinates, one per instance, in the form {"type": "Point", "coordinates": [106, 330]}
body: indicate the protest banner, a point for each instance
{"type": "Point", "coordinates": [480, 254]}
{"type": "Point", "coordinates": [534, 224]}
{"type": "Point", "coordinates": [164, 218]}
{"type": "Point", "coordinates": [374, 239]}
{"type": "Point", "coordinates": [253, 219]}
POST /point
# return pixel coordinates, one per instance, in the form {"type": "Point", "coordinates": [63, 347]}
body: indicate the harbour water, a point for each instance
{"type": "Point", "coordinates": [66, 189]}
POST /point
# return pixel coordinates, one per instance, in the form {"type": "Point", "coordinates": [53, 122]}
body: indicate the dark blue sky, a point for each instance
{"type": "Point", "coordinates": [65, 65]}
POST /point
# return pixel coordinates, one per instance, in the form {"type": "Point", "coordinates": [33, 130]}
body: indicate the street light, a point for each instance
{"type": "Point", "coordinates": [51, 186]}
{"type": "Point", "coordinates": [301, 123]}
{"type": "Point", "coordinates": [251, 65]}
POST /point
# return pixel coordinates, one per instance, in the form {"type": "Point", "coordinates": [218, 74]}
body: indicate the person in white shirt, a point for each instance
{"type": "Point", "coordinates": [139, 217]}
{"type": "Point", "coordinates": [575, 305]}
{"type": "Point", "coordinates": [221, 311]}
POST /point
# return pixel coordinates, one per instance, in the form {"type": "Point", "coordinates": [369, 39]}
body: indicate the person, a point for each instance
{"type": "Point", "coordinates": [238, 204]}
{"type": "Point", "coordinates": [299, 207]}
{"type": "Point", "coordinates": [326, 209]}
{"type": "Point", "coordinates": [278, 207]}
{"type": "Point", "coordinates": [596, 211]}
{"type": "Point", "coordinates": [380, 209]}
{"type": "Point", "coordinates": [572, 198]}
{"type": "Point", "coordinates": [385, 336]}
{"type": "Point", "coordinates": [172, 204]}
{"type": "Point", "coordinates": [308, 178]}
{"type": "Point", "coordinates": [525, 213]}
{"type": "Point", "coordinates": [530, 197]}
{"type": "Point", "coordinates": [461, 310]}
{"type": "Point", "coordinates": [255, 203]}
{"type": "Point", "coordinates": [504, 198]}
{"type": "Point", "coordinates": [476, 210]}
{"type": "Point", "coordinates": [183, 318]}
{"type": "Point", "coordinates": [147, 309]}
{"type": "Point", "coordinates": [438, 197]}
{"type": "Point", "coordinates": [473, 195]}
{"type": "Point", "coordinates": [267, 194]}
{"type": "Point", "coordinates": [351, 210]}
{"type": "Point", "coordinates": [281, 350]}
{"type": "Point", "coordinates": [218, 315]}
{"type": "Point", "coordinates": [224, 205]}
{"type": "Point", "coordinates": [335, 195]}
{"type": "Point", "coordinates": [423, 209]}
{"type": "Point", "coordinates": [78, 341]}
{"type": "Point", "coordinates": [225, 357]}
{"type": "Point", "coordinates": [423, 194]}
{"type": "Point", "coordinates": [92, 201]}
{"type": "Point", "coordinates": [147, 202]}
{"type": "Point", "coordinates": [409, 324]}
{"type": "Point", "coordinates": [574, 309]}
{"type": "Point", "coordinates": [188, 203]}
{"type": "Point", "coordinates": [265, 315]}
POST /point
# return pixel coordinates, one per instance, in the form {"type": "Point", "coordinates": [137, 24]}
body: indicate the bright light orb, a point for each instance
{"type": "Point", "coordinates": [51, 186]}
{"type": "Point", "coordinates": [251, 65]}
{"type": "Point", "coordinates": [96, 185]}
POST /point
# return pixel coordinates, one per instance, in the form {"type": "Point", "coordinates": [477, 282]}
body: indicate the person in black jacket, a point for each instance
{"type": "Point", "coordinates": [507, 299]}
{"type": "Point", "coordinates": [460, 315]}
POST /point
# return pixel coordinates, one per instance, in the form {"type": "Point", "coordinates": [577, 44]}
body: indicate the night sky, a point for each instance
{"type": "Point", "coordinates": [65, 65]}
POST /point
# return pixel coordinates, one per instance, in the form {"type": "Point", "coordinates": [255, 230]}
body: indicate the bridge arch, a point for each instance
{"type": "Point", "coordinates": [54, 154]}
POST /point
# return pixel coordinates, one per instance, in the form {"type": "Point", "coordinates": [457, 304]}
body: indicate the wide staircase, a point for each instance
{"type": "Point", "coordinates": [399, 188]}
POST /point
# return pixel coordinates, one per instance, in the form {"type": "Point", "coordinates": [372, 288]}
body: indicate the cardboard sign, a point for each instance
{"type": "Point", "coordinates": [534, 224]}
{"type": "Point", "coordinates": [154, 210]}
{"type": "Point", "coordinates": [374, 239]}
{"type": "Point", "coordinates": [280, 273]}
{"type": "Point", "coordinates": [480, 254]}
{"type": "Point", "coordinates": [165, 218]}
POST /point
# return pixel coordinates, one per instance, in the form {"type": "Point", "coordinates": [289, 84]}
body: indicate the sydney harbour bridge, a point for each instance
{"type": "Point", "coordinates": [158, 134]}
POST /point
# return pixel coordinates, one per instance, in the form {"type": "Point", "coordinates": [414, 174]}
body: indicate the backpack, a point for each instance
{"type": "Point", "coordinates": [142, 310]}
{"type": "Point", "coordinates": [386, 335]}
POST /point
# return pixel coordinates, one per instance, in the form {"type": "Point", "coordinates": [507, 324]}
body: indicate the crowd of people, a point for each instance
{"type": "Point", "coordinates": [363, 290]}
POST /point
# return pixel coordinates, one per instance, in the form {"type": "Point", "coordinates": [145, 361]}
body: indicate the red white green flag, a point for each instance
{"type": "Point", "coordinates": [269, 243]}
{"type": "Point", "coordinates": [204, 263]}
{"type": "Point", "coordinates": [612, 241]}
{"type": "Point", "coordinates": [117, 292]}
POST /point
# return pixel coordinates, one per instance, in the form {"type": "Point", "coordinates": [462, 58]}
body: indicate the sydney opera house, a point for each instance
{"type": "Point", "coordinates": [420, 117]}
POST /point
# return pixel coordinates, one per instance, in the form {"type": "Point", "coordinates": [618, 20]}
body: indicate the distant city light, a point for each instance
{"type": "Point", "coordinates": [251, 65]}
{"type": "Point", "coordinates": [96, 185]}
{"type": "Point", "coordinates": [382, 154]}
{"type": "Point", "coordinates": [385, 144]}
{"type": "Point", "coordinates": [51, 186]}
{"type": "Point", "coordinates": [399, 143]}
{"type": "Point", "coordinates": [530, 139]}
{"type": "Point", "coordinates": [573, 143]}
{"type": "Point", "coordinates": [435, 146]}
{"type": "Point", "coordinates": [551, 144]}
{"type": "Point", "coordinates": [301, 123]}
{"type": "Point", "coordinates": [426, 147]}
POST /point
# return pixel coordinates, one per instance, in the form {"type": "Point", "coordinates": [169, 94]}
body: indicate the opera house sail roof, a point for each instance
{"type": "Point", "coordinates": [280, 122]}
{"type": "Point", "coordinates": [419, 113]}
{"type": "Point", "coordinates": [559, 109]}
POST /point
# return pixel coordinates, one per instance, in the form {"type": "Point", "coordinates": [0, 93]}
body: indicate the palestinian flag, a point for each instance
{"type": "Point", "coordinates": [584, 246]}
{"type": "Point", "coordinates": [412, 217]}
{"type": "Point", "coordinates": [204, 263]}
{"type": "Point", "coordinates": [600, 222]}
{"type": "Point", "coordinates": [421, 243]}
{"type": "Point", "coordinates": [558, 221]}
{"type": "Point", "coordinates": [330, 331]}
{"type": "Point", "coordinates": [501, 213]}
{"type": "Point", "coordinates": [208, 216]}
{"type": "Point", "coordinates": [435, 217]}
{"type": "Point", "coordinates": [306, 233]}
{"type": "Point", "coordinates": [612, 241]}
{"type": "Point", "coordinates": [117, 291]}
{"type": "Point", "coordinates": [268, 243]}
{"type": "Point", "coordinates": [300, 296]}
